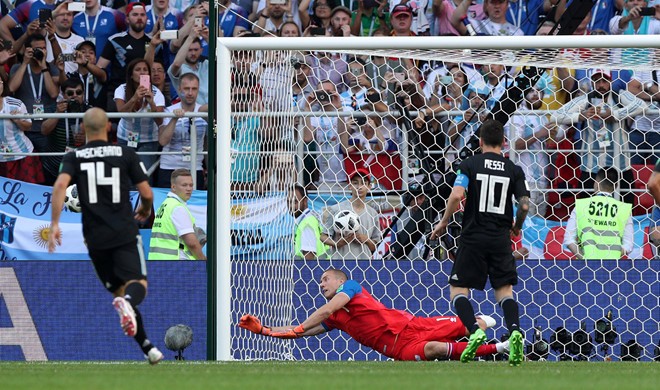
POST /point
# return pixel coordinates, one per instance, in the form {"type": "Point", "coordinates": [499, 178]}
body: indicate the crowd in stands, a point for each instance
{"type": "Point", "coordinates": [112, 55]}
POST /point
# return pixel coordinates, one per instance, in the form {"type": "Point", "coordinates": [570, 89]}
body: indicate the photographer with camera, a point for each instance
{"type": "Point", "coordinates": [64, 134]}
{"type": "Point", "coordinates": [34, 82]}
{"type": "Point", "coordinates": [326, 132]}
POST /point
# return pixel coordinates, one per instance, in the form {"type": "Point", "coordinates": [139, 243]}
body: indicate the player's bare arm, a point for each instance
{"type": "Point", "coordinates": [146, 200]}
{"type": "Point", "coordinates": [57, 202]}
{"type": "Point", "coordinates": [453, 202]}
{"type": "Point", "coordinates": [521, 214]}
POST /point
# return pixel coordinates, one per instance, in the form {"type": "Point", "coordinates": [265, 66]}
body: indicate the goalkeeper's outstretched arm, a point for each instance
{"type": "Point", "coordinates": [310, 327]}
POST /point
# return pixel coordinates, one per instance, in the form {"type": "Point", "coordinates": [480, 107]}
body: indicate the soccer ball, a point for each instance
{"type": "Point", "coordinates": [71, 200]}
{"type": "Point", "coordinates": [346, 222]}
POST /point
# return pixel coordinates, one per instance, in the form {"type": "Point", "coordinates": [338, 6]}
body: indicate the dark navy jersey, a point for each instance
{"type": "Point", "coordinates": [104, 173]}
{"type": "Point", "coordinates": [491, 180]}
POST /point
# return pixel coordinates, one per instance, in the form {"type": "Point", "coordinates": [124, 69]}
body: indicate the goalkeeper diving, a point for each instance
{"type": "Point", "coordinates": [396, 334]}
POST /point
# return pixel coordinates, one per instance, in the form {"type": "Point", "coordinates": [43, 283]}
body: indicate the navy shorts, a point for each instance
{"type": "Point", "coordinates": [480, 259]}
{"type": "Point", "coordinates": [116, 266]}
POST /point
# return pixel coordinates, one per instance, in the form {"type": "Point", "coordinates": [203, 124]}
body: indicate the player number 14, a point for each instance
{"type": "Point", "coordinates": [487, 193]}
{"type": "Point", "coordinates": [96, 177]}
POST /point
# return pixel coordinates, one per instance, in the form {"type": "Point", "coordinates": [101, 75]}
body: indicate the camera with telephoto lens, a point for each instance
{"type": "Point", "coordinates": [539, 349]}
{"type": "Point", "coordinates": [582, 345]}
{"type": "Point", "coordinates": [631, 351]}
{"type": "Point", "coordinates": [605, 331]}
{"type": "Point", "coordinates": [38, 54]}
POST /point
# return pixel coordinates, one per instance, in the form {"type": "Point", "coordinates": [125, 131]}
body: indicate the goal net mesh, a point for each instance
{"type": "Point", "coordinates": [393, 124]}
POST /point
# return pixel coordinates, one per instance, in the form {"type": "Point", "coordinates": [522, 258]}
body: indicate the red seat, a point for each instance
{"type": "Point", "coordinates": [553, 249]}
{"type": "Point", "coordinates": [564, 173]}
{"type": "Point", "coordinates": [643, 202]}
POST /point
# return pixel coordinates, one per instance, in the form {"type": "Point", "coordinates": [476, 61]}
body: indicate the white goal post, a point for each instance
{"type": "Point", "coordinates": [509, 51]}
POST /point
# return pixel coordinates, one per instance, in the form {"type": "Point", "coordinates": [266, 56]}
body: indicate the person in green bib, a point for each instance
{"type": "Point", "coordinates": [308, 239]}
{"type": "Point", "coordinates": [600, 227]}
{"type": "Point", "coordinates": [174, 235]}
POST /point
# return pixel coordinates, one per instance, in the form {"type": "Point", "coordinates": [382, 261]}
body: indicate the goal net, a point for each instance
{"type": "Point", "coordinates": [377, 126]}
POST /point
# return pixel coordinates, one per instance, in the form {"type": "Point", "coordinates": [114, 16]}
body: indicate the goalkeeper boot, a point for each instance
{"type": "Point", "coordinates": [126, 316]}
{"type": "Point", "coordinates": [516, 348]}
{"type": "Point", "coordinates": [476, 340]}
{"type": "Point", "coordinates": [154, 356]}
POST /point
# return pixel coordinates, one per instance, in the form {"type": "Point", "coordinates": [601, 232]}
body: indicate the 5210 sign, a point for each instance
{"type": "Point", "coordinates": [602, 209]}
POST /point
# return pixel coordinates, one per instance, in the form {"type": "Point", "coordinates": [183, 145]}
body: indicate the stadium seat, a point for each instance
{"type": "Point", "coordinates": [553, 245]}
{"type": "Point", "coordinates": [564, 173]}
{"type": "Point", "coordinates": [643, 200]}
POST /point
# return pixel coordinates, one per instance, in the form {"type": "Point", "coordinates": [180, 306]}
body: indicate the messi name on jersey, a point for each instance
{"type": "Point", "coordinates": [494, 165]}
{"type": "Point", "coordinates": [101, 151]}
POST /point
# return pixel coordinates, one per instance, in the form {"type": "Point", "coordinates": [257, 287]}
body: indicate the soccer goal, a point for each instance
{"type": "Point", "coordinates": [399, 114]}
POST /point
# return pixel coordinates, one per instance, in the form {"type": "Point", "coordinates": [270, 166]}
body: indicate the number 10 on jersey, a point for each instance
{"type": "Point", "coordinates": [488, 190]}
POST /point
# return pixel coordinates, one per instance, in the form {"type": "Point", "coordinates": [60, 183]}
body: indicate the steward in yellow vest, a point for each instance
{"type": "Point", "coordinates": [308, 241]}
{"type": "Point", "coordinates": [601, 224]}
{"type": "Point", "coordinates": [173, 235]}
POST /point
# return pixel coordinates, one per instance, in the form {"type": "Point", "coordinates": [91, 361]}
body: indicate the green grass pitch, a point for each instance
{"type": "Point", "coordinates": [328, 375]}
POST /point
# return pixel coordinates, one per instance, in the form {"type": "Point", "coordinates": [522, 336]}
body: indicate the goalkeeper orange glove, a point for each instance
{"type": "Point", "coordinates": [290, 334]}
{"type": "Point", "coordinates": [253, 324]}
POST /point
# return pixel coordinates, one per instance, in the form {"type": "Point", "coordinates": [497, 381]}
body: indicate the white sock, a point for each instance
{"type": "Point", "coordinates": [500, 347]}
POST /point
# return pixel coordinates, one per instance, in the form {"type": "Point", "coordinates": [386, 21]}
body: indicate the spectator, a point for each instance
{"type": "Point", "coordinates": [475, 112]}
{"type": "Point", "coordinates": [291, 8]}
{"type": "Point", "coordinates": [630, 22]}
{"type": "Point", "coordinates": [184, 4]}
{"type": "Point", "coordinates": [246, 139]}
{"type": "Point", "coordinates": [189, 60]}
{"type": "Point", "coordinates": [33, 82]}
{"type": "Point", "coordinates": [443, 10]}
{"type": "Point", "coordinates": [495, 24]}
{"type": "Point", "coordinates": [98, 23]}
{"type": "Point", "coordinates": [369, 137]}
{"type": "Point", "coordinates": [159, 80]}
{"type": "Point", "coordinates": [160, 9]}
{"type": "Point", "coordinates": [170, 19]}
{"type": "Point", "coordinates": [340, 22]}
{"type": "Point", "coordinates": [92, 77]}
{"type": "Point", "coordinates": [419, 22]}
{"type": "Point", "coordinates": [63, 41]}
{"type": "Point", "coordinates": [370, 16]}
{"type": "Point", "coordinates": [328, 66]}
{"type": "Point", "coordinates": [13, 140]}
{"type": "Point", "coordinates": [132, 96]}
{"type": "Point", "coordinates": [289, 29]}
{"type": "Point", "coordinates": [526, 14]}
{"type": "Point", "coordinates": [302, 88]}
{"type": "Point", "coordinates": [190, 17]}
{"type": "Point", "coordinates": [274, 16]}
{"type": "Point", "coordinates": [360, 245]}
{"type": "Point", "coordinates": [645, 133]}
{"type": "Point", "coordinates": [320, 17]}
{"type": "Point", "coordinates": [175, 135]}
{"type": "Point", "coordinates": [21, 16]}
{"type": "Point", "coordinates": [233, 18]}
{"type": "Point", "coordinates": [603, 11]}
{"type": "Point", "coordinates": [497, 81]}
{"type": "Point", "coordinates": [602, 114]}
{"type": "Point", "coordinates": [308, 239]}
{"type": "Point", "coordinates": [358, 82]}
{"type": "Point", "coordinates": [600, 227]}
{"type": "Point", "coordinates": [529, 132]}
{"type": "Point", "coordinates": [326, 132]}
{"type": "Point", "coordinates": [124, 47]}
{"type": "Point", "coordinates": [64, 134]}
{"type": "Point", "coordinates": [401, 20]}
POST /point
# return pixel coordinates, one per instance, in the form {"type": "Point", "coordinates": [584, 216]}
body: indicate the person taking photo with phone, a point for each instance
{"type": "Point", "coordinates": [189, 60]}
{"type": "Point", "coordinates": [62, 42]}
{"type": "Point", "coordinates": [637, 18]}
{"type": "Point", "coordinates": [139, 95]}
